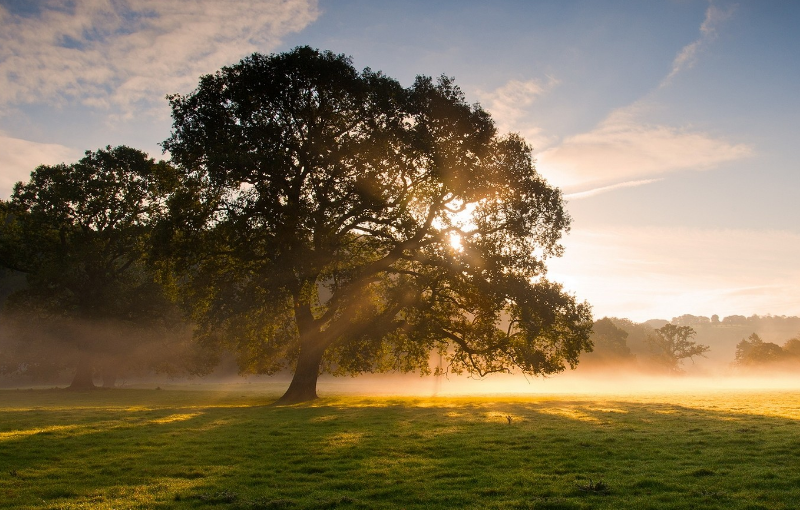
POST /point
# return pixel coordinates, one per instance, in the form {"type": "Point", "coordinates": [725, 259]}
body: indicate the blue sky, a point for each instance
{"type": "Point", "coordinates": [671, 126]}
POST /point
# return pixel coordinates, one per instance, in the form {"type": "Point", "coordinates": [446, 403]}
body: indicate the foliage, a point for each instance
{"type": "Point", "coordinates": [792, 347]}
{"type": "Point", "coordinates": [754, 322]}
{"type": "Point", "coordinates": [692, 320]}
{"type": "Point", "coordinates": [637, 335]}
{"type": "Point", "coordinates": [608, 343]}
{"type": "Point", "coordinates": [335, 219]}
{"type": "Point", "coordinates": [194, 449]}
{"type": "Point", "coordinates": [674, 343]}
{"type": "Point", "coordinates": [722, 340]}
{"type": "Point", "coordinates": [80, 234]}
{"type": "Point", "coordinates": [753, 351]}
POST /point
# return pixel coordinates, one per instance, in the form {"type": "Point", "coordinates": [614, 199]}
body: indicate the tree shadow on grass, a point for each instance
{"type": "Point", "coordinates": [392, 453]}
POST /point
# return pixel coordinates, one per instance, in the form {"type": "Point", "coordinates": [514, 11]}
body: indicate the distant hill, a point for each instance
{"type": "Point", "coordinates": [656, 323]}
{"type": "Point", "coordinates": [721, 335]}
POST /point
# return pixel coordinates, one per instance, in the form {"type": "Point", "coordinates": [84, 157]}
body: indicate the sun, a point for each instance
{"type": "Point", "coordinates": [455, 241]}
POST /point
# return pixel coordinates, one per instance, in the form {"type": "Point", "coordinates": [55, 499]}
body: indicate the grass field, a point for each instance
{"type": "Point", "coordinates": [226, 449]}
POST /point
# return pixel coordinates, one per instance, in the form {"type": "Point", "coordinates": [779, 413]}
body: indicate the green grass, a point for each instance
{"type": "Point", "coordinates": [203, 449]}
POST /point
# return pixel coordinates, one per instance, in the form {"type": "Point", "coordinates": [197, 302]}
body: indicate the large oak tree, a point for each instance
{"type": "Point", "coordinates": [335, 220]}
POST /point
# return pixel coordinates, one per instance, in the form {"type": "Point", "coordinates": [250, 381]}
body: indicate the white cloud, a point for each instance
{"type": "Point", "coordinates": [625, 148]}
{"type": "Point", "coordinates": [129, 54]}
{"type": "Point", "coordinates": [647, 273]}
{"type": "Point", "coordinates": [605, 189]}
{"type": "Point", "coordinates": [684, 60]}
{"type": "Point", "coordinates": [687, 57]}
{"type": "Point", "coordinates": [18, 158]}
{"type": "Point", "coordinates": [509, 106]}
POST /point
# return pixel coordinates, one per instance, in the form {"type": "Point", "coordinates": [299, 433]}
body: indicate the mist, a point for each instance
{"type": "Point", "coordinates": [45, 351]}
{"type": "Point", "coordinates": [36, 353]}
{"type": "Point", "coordinates": [608, 382]}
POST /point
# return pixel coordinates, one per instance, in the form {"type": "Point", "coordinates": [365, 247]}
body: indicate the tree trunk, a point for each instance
{"type": "Point", "coordinates": [303, 387]}
{"type": "Point", "coordinates": [84, 376]}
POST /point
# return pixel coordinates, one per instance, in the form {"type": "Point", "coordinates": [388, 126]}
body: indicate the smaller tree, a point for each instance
{"type": "Point", "coordinates": [80, 234]}
{"type": "Point", "coordinates": [792, 347]}
{"type": "Point", "coordinates": [673, 344]}
{"type": "Point", "coordinates": [755, 351]}
{"type": "Point", "coordinates": [609, 344]}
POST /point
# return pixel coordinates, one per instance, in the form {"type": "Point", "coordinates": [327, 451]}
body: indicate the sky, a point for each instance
{"type": "Point", "coordinates": [671, 126]}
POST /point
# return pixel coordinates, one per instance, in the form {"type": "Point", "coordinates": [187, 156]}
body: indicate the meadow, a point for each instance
{"type": "Point", "coordinates": [145, 448]}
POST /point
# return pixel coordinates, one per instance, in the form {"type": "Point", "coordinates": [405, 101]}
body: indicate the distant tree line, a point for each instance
{"type": "Point", "coordinates": [662, 349]}
{"type": "Point", "coordinates": [755, 321]}
{"type": "Point", "coordinates": [658, 345]}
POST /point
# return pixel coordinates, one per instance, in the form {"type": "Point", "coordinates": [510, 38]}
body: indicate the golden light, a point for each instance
{"type": "Point", "coordinates": [455, 242]}
{"type": "Point", "coordinates": [462, 220]}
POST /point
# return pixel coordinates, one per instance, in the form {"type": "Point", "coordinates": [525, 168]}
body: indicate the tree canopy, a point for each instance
{"type": "Point", "coordinates": [674, 343]}
{"type": "Point", "coordinates": [333, 219]}
{"type": "Point", "coordinates": [609, 344]}
{"type": "Point", "coordinates": [754, 352]}
{"type": "Point", "coordinates": [80, 234]}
